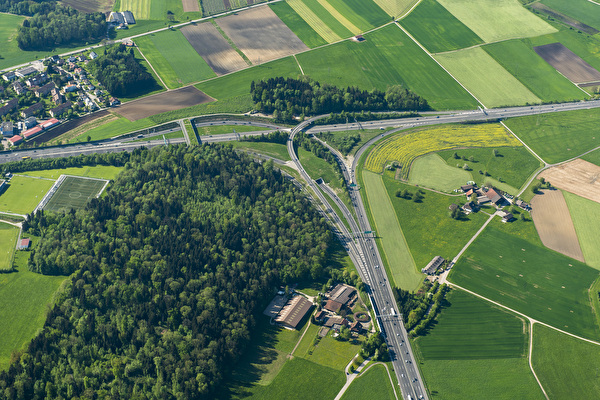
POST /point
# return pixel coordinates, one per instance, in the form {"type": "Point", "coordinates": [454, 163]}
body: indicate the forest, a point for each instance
{"type": "Point", "coordinates": [287, 97]}
{"type": "Point", "coordinates": [119, 72]}
{"type": "Point", "coordinates": [168, 272]}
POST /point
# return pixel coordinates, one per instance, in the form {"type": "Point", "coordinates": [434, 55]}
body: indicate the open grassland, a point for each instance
{"type": "Point", "coordinates": [174, 59]}
{"type": "Point", "coordinates": [471, 328]}
{"type": "Point", "coordinates": [586, 218]}
{"type": "Point", "coordinates": [372, 384]}
{"type": "Point", "coordinates": [494, 20]}
{"type": "Point", "coordinates": [567, 367]}
{"type": "Point", "coordinates": [391, 237]}
{"type": "Point", "coordinates": [118, 127]}
{"type": "Point", "coordinates": [432, 171]}
{"type": "Point", "coordinates": [298, 25]}
{"type": "Point", "coordinates": [24, 297]}
{"type": "Point", "coordinates": [512, 165]}
{"type": "Point", "coordinates": [582, 10]}
{"type": "Point", "coordinates": [593, 157]}
{"type": "Point", "coordinates": [485, 78]}
{"type": "Point", "coordinates": [540, 283]}
{"type": "Point", "coordinates": [387, 57]}
{"type": "Point", "coordinates": [494, 379]}
{"type": "Point", "coordinates": [8, 240]}
{"type": "Point", "coordinates": [274, 150]}
{"type": "Point", "coordinates": [438, 30]}
{"type": "Point", "coordinates": [98, 171]}
{"type": "Point", "coordinates": [332, 353]}
{"type": "Point", "coordinates": [364, 14]}
{"type": "Point", "coordinates": [157, 10]}
{"type": "Point", "coordinates": [314, 21]}
{"type": "Point", "coordinates": [533, 72]}
{"type": "Point", "coordinates": [319, 168]}
{"type": "Point", "coordinates": [9, 49]}
{"type": "Point", "coordinates": [396, 8]}
{"type": "Point", "coordinates": [325, 16]}
{"type": "Point", "coordinates": [23, 194]}
{"type": "Point", "coordinates": [427, 226]}
{"type": "Point", "coordinates": [408, 145]}
{"type": "Point", "coordinates": [557, 137]}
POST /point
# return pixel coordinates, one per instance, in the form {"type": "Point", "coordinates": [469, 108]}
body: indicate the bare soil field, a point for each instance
{"type": "Point", "coordinates": [90, 6]}
{"type": "Point", "coordinates": [162, 102]}
{"type": "Point", "coordinates": [213, 48]}
{"type": "Point", "coordinates": [261, 35]}
{"type": "Point", "coordinates": [578, 177]}
{"type": "Point", "coordinates": [190, 5]}
{"type": "Point", "coordinates": [564, 19]}
{"type": "Point", "coordinates": [568, 63]}
{"type": "Point", "coordinates": [554, 225]}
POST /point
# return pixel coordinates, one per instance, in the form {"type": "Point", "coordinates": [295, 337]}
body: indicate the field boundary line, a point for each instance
{"type": "Point", "coordinates": [151, 66]}
{"type": "Point", "coordinates": [524, 144]}
{"type": "Point", "coordinates": [49, 193]}
{"type": "Point", "coordinates": [529, 357]}
{"type": "Point", "coordinates": [407, 13]}
{"type": "Point", "coordinates": [299, 66]}
{"type": "Point", "coordinates": [438, 63]}
{"type": "Point", "coordinates": [592, 1]}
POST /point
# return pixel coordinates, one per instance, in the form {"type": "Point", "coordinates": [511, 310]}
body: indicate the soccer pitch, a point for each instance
{"type": "Point", "coordinates": [73, 192]}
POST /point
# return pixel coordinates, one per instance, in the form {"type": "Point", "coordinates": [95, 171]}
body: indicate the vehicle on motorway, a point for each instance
{"type": "Point", "coordinates": [25, 157]}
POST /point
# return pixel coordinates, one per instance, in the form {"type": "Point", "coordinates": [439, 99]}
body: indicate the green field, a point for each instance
{"type": "Point", "coordinates": [567, 367]}
{"type": "Point", "coordinates": [23, 194]}
{"type": "Point", "coordinates": [438, 30]}
{"type": "Point", "coordinates": [432, 171]}
{"type": "Point", "coordinates": [224, 128]}
{"type": "Point", "coordinates": [157, 10]}
{"type": "Point", "coordinates": [396, 8]}
{"type": "Point", "coordinates": [319, 168]}
{"type": "Point", "coordinates": [275, 150]}
{"type": "Point", "coordinates": [74, 193]}
{"type": "Point", "coordinates": [387, 57]}
{"type": "Point", "coordinates": [172, 56]}
{"type": "Point", "coordinates": [586, 218]}
{"type": "Point", "coordinates": [532, 71]}
{"type": "Point", "coordinates": [8, 238]}
{"type": "Point", "coordinates": [329, 20]}
{"type": "Point", "coordinates": [582, 10]}
{"type": "Point", "coordinates": [494, 20]}
{"type": "Point", "coordinates": [117, 127]}
{"type": "Point", "coordinates": [364, 14]}
{"type": "Point", "coordinates": [98, 171]}
{"type": "Point", "coordinates": [471, 328]}
{"type": "Point", "coordinates": [593, 157]}
{"type": "Point", "coordinates": [371, 384]}
{"type": "Point", "coordinates": [332, 353]}
{"type": "Point", "coordinates": [299, 26]}
{"type": "Point", "coordinates": [485, 78]}
{"type": "Point", "coordinates": [391, 240]}
{"type": "Point", "coordinates": [513, 165]}
{"type": "Point", "coordinates": [558, 136]}
{"type": "Point", "coordinates": [529, 278]}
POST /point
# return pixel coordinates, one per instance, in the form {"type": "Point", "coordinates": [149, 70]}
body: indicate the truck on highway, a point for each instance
{"type": "Point", "coordinates": [392, 311]}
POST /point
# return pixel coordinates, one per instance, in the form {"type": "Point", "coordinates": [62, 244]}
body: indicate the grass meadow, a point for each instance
{"type": "Point", "coordinates": [371, 384]}
{"type": "Point", "coordinates": [529, 278]}
{"type": "Point", "coordinates": [329, 20]}
{"type": "Point", "coordinates": [438, 30]}
{"type": "Point", "coordinates": [582, 10]}
{"type": "Point", "coordinates": [24, 194]}
{"type": "Point", "coordinates": [298, 25]}
{"type": "Point", "coordinates": [559, 136]}
{"type": "Point", "coordinates": [332, 353]}
{"type": "Point", "coordinates": [274, 150]}
{"type": "Point", "coordinates": [396, 8]}
{"type": "Point", "coordinates": [552, 351]}
{"type": "Point", "coordinates": [432, 171]}
{"type": "Point", "coordinates": [387, 57]}
{"type": "Point", "coordinates": [314, 21]}
{"type": "Point", "coordinates": [593, 157]}
{"type": "Point", "coordinates": [98, 171]}
{"type": "Point", "coordinates": [118, 127]}
{"type": "Point", "coordinates": [8, 239]}
{"type": "Point", "coordinates": [532, 71]}
{"type": "Point", "coordinates": [485, 78]}
{"type": "Point", "coordinates": [586, 218]}
{"type": "Point", "coordinates": [494, 20]}
{"type": "Point", "coordinates": [221, 129]}
{"type": "Point", "coordinates": [364, 14]}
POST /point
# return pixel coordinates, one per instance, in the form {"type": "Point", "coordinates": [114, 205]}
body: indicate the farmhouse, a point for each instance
{"type": "Point", "coordinates": [15, 140]}
{"type": "Point", "coordinates": [336, 322]}
{"type": "Point", "coordinates": [93, 55]}
{"type": "Point", "coordinates": [294, 311]}
{"type": "Point", "coordinates": [469, 208]}
{"type": "Point", "coordinates": [123, 17]}
{"type": "Point", "coordinates": [59, 110]}
{"type": "Point", "coordinates": [7, 129]}
{"type": "Point", "coordinates": [320, 316]}
{"type": "Point", "coordinates": [342, 294]}
{"type": "Point", "coordinates": [333, 306]}
{"type": "Point", "coordinates": [24, 244]}
{"type": "Point", "coordinates": [356, 327]}
{"type": "Point", "coordinates": [9, 107]}
{"type": "Point", "coordinates": [23, 72]}
{"type": "Point", "coordinates": [521, 204]}
{"type": "Point", "coordinates": [433, 265]}
{"type": "Point", "coordinates": [28, 112]}
{"type": "Point", "coordinates": [494, 196]}
{"type": "Point", "coordinates": [9, 76]}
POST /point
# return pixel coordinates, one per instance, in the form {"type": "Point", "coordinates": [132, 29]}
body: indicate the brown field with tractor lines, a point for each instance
{"type": "Point", "coordinates": [568, 63]}
{"type": "Point", "coordinates": [578, 177]}
{"type": "Point", "coordinates": [190, 5]}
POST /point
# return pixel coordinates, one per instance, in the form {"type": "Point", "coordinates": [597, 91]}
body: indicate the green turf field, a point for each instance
{"type": "Point", "coordinates": [171, 55]}
{"type": "Point", "coordinates": [24, 194]}
{"type": "Point", "coordinates": [438, 30]}
{"type": "Point", "coordinates": [582, 10]}
{"type": "Point", "coordinates": [558, 136]}
{"type": "Point", "coordinates": [530, 69]}
{"type": "Point", "coordinates": [586, 218]}
{"type": "Point", "coordinates": [299, 26]}
{"type": "Point", "coordinates": [567, 367]}
{"type": "Point", "coordinates": [371, 384]}
{"type": "Point", "coordinates": [485, 78]}
{"type": "Point", "coordinates": [8, 241]}
{"type": "Point", "coordinates": [391, 237]}
{"type": "Point", "coordinates": [98, 171]}
{"type": "Point", "coordinates": [325, 16]}
{"type": "Point", "coordinates": [471, 328]}
{"type": "Point", "coordinates": [513, 165]}
{"type": "Point", "coordinates": [494, 20]}
{"type": "Point", "coordinates": [74, 192]}
{"type": "Point", "coordinates": [529, 278]}
{"type": "Point", "coordinates": [275, 150]}
{"type": "Point", "coordinates": [364, 14]}
{"type": "Point", "coordinates": [387, 57]}
{"type": "Point", "coordinates": [432, 171]}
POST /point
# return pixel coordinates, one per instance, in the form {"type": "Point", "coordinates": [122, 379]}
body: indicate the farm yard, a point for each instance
{"type": "Point", "coordinates": [568, 63]}
{"type": "Point", "coordinates": [578, 177]}
{"type": "Point", "coordinates": [554, 225]}
{"type": "Point", "coordinates": [586, 218]}
{"type": "Point", "coordinates": [297, 25]}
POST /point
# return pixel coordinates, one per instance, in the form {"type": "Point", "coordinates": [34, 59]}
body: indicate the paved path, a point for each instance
{"type": "Point", "coordinates": [155, 73]}
{"type": "Point", "coordinates": [351, 376]}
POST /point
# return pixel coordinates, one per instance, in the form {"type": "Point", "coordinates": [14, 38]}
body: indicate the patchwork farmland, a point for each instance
{"type": "Point", "coordinates": [578, 177]}
{"type": "Point", "coordinates": [299, 26]}
{"type": "Point", "coordinates": [568, 63]}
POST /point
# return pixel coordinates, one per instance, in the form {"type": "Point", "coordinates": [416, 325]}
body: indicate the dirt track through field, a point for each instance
{"type": "Point", "coordinates": [162, 102]}
{"type": "Point", "coordinates": [190, 5]}
{"type": "Point", "coordinates": [213, 48]}
{"type": "Point", "coordinates": [568, 63]}
{"type": "Point", "coordinates": [554, 224]}
{"type": "Point", "coordinates": [578, 177]}
{"type": "Point", "coordinates": [261, 35]}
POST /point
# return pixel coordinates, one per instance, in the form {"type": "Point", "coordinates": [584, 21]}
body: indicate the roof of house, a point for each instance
{"type": "Point", "coordinates": [468, 206]}
{"type": "Point", "coordinates": [433, 265]}
{"type": "Point", "coordinates": [293, 312]}
{"type": "Point", "coordinates": [341, 293]}
{"type": "Point", "coordinates": [493, 195]}
{"type": "Point", "coordinates": [15, 139]}
{"type": "Point", "coordinates": [466, 188]}
{"type": "Point", "coordinates": [32, 132]}
{"type": "Point", "coordinates": [30, 110]}
{"type": "Point", "coordinates": [333, 306]}
{"type": "Point", "coordinates": [320, 314]}
{"type": "Point", "coordinates": [24, 243]}
{"type": "Point", "coordinates": [508, 217]}
{"type": "Point", "coordinates": [356, 326]}
{"type": "Point", "coordinates": [26, 71]}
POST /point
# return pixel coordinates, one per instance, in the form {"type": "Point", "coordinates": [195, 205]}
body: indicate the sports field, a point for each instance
{"type": "Point", "coordinates": [586, 218]}
{"type": "Point", "coordinates": [432, 171]}
{"type": "Point", "coordinates": [531, 70]}
{"type": "Point", "coordinates": [485, 78]}
{"type": "Point", "coordinates": [371, 384]}
{"type": "Point", "coordinates": [494, 20]}
{"type": "Point", "coordinates": [171, 55]}
{"type": "Point", "coordinates": [8, 242]}
{"type": "Point", "coordinates": [74, 192]}
{"type": "Point", "coordinates": [298, 25]}
{"type": "Point", "coordinates": [393, 243]}
{"type": "Point", "coordinates": [582, 10]}
{"type": "Point", "coordinates": [558, 136]}
{"type": "Point", "coordinates": [387, 57]}
{"type": "Point", "coordinates": [438, 30]}
{"type": "Point", "coordinates": [23, 194]}
{"type": "Point", "coordinates": [529, 278]}
{"type": "Point", "coordinates": [567, 367]}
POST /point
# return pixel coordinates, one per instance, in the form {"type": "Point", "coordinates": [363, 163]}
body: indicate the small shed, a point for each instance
{"type": "Point", "coordinates": [24, 244]}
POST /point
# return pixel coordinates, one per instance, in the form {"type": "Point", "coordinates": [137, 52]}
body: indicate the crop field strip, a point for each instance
{"type": "Point", "coordinates": [8, 240]}
{"type": "Point", "coordinates": [326, 18]}
{"type": "Point", "coordinates": [568, 63]}
{"type": "Point", "coordinates": [314, 21]}
{"type": "Point", "coordinates": [340, 17]}
{"type": "Point", "coordinates": [586, 218]}
{"type": "Point", "coordinates": [408, 145]}
{"type": "Point", "coordinates": [581, 10]}
{"type": "Point", "coordinates": [190, 6]}
{"type": "Point", "coordinates": [211, 7]}
{"type": "Point", "coordinates": [578, 177]}
{"type": "Point", "coordinates": [139, 8]}
{"type": "Point", "coordinates": [396, 8]}
{"type": "Point", "coordinates": [364, 14]}
{"type": "Point", "coordinates": [297, 25]}
{"type": "Point", "coordinates": [562, 18]}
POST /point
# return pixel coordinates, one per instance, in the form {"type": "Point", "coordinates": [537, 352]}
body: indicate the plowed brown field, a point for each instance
{"type": "Point", "coordinates": [578, 177]}
{"type": "Point", "coordinates": [568, 63]}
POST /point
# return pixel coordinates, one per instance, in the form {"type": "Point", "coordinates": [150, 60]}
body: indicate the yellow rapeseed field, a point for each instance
{"type": "Point", "coordinates": [405, 147]}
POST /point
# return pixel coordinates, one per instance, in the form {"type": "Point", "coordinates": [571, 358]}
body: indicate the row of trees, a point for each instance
{"type": "Point", "coordinates": [420, 308]}
{"type": "Point", "coordinates": [169, 271]}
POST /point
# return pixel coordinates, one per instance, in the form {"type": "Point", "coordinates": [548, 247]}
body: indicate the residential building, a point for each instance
{"type": "Point", "coordinates": [44, 90]}
{"type": "Point", "coordinates": [494, 196]}
{"type": "Point", "coordinates": [507, 217]}
{"type": "Point", "coordinates": [28, 112]}
{"type": "Point", "coordinates": [93, 55]}
{"type": "Point", "coordinates": [23, 72]}
{"type": "Point", "coordinates": [9, 107]}
{"type": "Point", "coordinates": [9, 76]}
{"type": "Point", "coordinates": [7, 129]}
{"type": "Point", "coordinates": [30, 122]}
{"type": "Point", "coordinates": [18, 88]}
{"type": "Point", "coordinates": [60, 109]}
{"type": "Point", "coordinates": [113, 102]}
{"type": "Point", "coordinates": [37, 80]}
{"type": "Point", "coordinates": [70, 88]}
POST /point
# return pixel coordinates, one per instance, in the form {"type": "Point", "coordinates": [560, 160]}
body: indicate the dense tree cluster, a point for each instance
{"type": "Point", "coordinates": [272, 137]}
{"type": "Point", "coordinates": [349, 117]}
{"type": "Point", "coordinates": [419, 309]}
{"type": "Point", "coordinates": [26, 7]}
{"type": "Point", "coordinates": [119, 72]}
{"type": "Point", "coordinates": [169, 269]}
{"type": "Point", "coordinates": [36, 164]}
{"type": "Point", "coordinates": [375, 346]}
{"type": "Point", "coordinates": [287, 97]}
{"type": "Point", "coordinates": [343, 143]}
